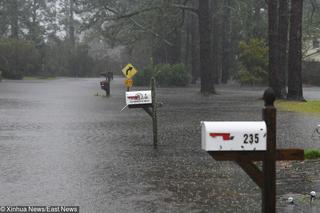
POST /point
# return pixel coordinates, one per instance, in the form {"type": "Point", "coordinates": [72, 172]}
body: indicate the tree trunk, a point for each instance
{"type": "Point", "coordinates": [216, 47]}
{"type": "Point", "coordinates": [194, 49]}
{"type": "Point", "coordinates": [295, 52]}
{"type": "Point", "coordinates": [174, 52]}
{"type": "Point", "coordinates": [258, 31]}
{"type": "Point", "coordinates": [71, 23]}
{"type": "Point", "coordinates": [71, 32]}
{"type": "Point", "coordinates": [274, 74]}
{"type": "Point", "coordinates": [159, 54]}
{"type": "Point", "coordinates": [226, 43]}
{"type": "Point", "coordinates": [188, 29]}
{"type": "Point", "coordinates": [283, 43]}
{"type": "Point", "coordinates": [207, 84]}
{"type": "Point", "coordinates": [14, 19]}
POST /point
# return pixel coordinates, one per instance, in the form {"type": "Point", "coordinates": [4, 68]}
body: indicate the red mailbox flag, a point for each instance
{"type": "Point", "coordinates": [225, 136]}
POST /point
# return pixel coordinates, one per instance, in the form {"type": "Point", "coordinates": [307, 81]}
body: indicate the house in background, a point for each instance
{"type": "Point", "coordinates": [311, 63]}
{"type": "Point", "coordinates": [313, 50]}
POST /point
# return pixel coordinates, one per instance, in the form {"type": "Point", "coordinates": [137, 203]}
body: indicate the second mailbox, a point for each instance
{"type": "Point", "coordinates": [234, 136]}
{"type": "Point", "coordinates": [139, 98]}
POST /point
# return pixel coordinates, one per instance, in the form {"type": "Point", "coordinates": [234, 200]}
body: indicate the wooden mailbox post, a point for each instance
{"type": "Point", "coordinates": [265, 179]}
{"type": "Point", "coordinates": [105, 85]}
{"type": "Point", "coordinates": [150, 107]}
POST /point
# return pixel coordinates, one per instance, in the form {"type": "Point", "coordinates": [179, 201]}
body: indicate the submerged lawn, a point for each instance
{"type": "Point", "coordinates": [312, 106]}
{"type": "Point", "coordinates": [39, 78]}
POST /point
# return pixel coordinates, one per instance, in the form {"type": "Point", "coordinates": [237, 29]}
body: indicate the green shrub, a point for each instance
{"type": "Point", "coordinates": [253, 62]}
{"type": "Point", "coordinates": [0, 75]}
{"type": "Point", "coordinates": [143, 77]}
{"type": "Point", "coordinates": [13, 74]}
{"type": "Point", "coordinates": [18, 57]}
{"type": "Point", "coordinates": [312, 154]}
{"type": "Point", "coordinates": [165, 74]}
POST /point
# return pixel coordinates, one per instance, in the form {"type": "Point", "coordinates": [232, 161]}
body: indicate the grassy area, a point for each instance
{"type": "Point", "coordinates": [39, 77]}
{"type": "Point", "coordinates": [312, 154]}
{"type": "Point", "coordinates": [312, 106]}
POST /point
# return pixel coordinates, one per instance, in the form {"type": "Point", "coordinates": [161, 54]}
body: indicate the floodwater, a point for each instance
{"type": "Point", "coordinates": [61, 143]}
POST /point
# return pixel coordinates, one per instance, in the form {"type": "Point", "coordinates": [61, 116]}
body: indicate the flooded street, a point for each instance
{"type": "Point", "coordinates": [62, 144]}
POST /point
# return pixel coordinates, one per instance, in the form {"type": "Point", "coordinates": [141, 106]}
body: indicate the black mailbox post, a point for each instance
{"type": "Point", "coordinates": [105, 85]}
{"type": "Point", "coordinates": [110, 75]}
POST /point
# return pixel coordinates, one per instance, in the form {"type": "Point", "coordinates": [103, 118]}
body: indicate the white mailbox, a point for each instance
{"type": "Point", "coordinates": [233, 136]}
{"type": "Point", "coordinates": [138, 97]}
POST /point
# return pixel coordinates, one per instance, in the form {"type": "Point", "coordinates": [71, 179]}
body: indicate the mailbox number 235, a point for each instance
{"type": "Point", "coordinates": [251, 138]}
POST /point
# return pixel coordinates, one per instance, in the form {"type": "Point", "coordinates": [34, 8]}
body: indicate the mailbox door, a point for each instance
{"type": "Point", "coordinates": [233, 136]}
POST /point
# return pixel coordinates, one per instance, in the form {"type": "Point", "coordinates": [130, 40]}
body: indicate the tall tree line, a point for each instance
{"type": "Point", "coordinates": [279, 17]}
{"type": "Point", "coordinates": [202, 34]}
{"type": "Point", "coordinates": [49, 31]}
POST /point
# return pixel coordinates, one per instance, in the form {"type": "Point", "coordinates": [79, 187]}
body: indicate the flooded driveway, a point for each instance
{"type": "Point", "coordinates": [62, 144]}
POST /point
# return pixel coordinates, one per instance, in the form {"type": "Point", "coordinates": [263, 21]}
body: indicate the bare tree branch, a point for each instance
{"type": "Point", "coordinates": [140, 26]}
{"type": "Point", "coordinates": [110, 10]}
{"type": "Point", "coordinates": [182, 19]}
{"type": "Point", "coordinates": [150, 31]}
{"type": "Point", "coordinates": [184, 7]}
{"type": "Point", "coordinates": [129, 16]}
{"type": "Point", "coordinates": [138, 12]}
